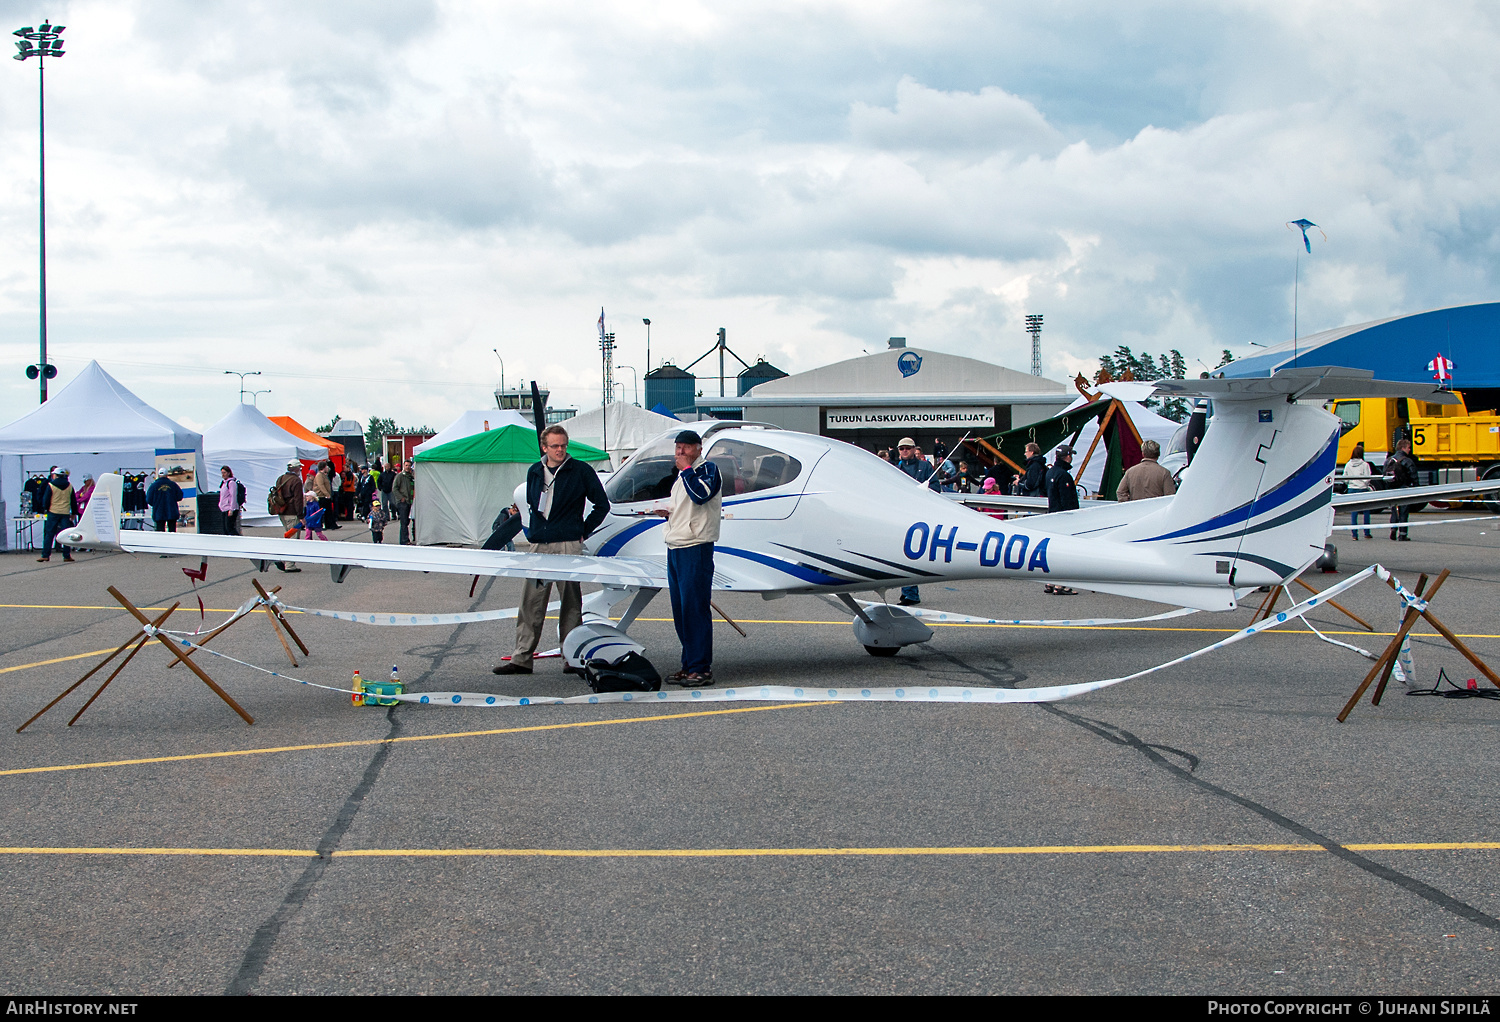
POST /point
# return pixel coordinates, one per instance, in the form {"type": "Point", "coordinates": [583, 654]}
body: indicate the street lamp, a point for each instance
{"type": "Point", "coordinates": [255, 396]}
{"type": "Point", "coordinates": [648, 344]}
{"type": "Point", "coordinates": [231, 372]}
{"type": "Point", "coordinates": [636, 377]}
{"type": "Point", "coordinates": [41, 42]}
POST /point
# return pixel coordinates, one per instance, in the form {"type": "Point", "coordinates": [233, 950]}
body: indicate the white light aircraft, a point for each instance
{"type": "Point", "coordinates": [813, 515]}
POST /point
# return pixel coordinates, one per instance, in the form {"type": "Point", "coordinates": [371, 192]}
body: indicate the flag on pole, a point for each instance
{"type": "Point", "coordinates": [1441, 369]}
{"type": "Point", "coordinates": [601, 322]}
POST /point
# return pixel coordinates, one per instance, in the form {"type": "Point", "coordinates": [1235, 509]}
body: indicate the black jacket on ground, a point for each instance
{"type": "Point", "coordinates": [1034, 483]}
{"type": "Point", "coordinates": [1062, 492]}
{"type": "Point", "coordinates": [575, 483]}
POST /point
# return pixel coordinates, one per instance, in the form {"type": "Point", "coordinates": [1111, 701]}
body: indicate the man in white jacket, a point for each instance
{"type": "Point", "coordinates": [692, 529]}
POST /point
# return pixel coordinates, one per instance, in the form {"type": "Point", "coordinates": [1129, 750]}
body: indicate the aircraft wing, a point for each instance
{"type": "Point", "coordinates": [98, 528]}
{"type": "Point", "coordinates": [612, 571]}
{"type": "Point", "coordinates": [1000, 502]}
{"type": "Point", "coordinates": [1364, 500]}
{"type": "Point", "coordinates": [1369, 500]}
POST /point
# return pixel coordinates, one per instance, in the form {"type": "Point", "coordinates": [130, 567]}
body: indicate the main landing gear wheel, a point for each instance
{"type": "Point", "coordinates": [882, 650]}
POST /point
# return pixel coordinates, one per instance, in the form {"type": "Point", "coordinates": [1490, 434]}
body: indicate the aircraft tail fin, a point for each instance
{"type": "Point", "coordinates": [99, 525]}
{"type": "Point", "coordinates": [1256, 505]}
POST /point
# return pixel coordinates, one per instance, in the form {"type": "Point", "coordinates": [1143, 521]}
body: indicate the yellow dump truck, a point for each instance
{"type": "Point", "coordinates": [1452, 443]}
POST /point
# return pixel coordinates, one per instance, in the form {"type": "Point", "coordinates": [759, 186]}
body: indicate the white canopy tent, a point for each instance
{"type": "Point", "coordinates": [1150, 425]}
{"type": "Point", "coordinates": [630, 428]}
{"type": "Point", "coordinates": [91, 426]}
{"type": "Point", "coordinates": [257, 450]}
{"type": "Point", "coordinates": [473, 422]}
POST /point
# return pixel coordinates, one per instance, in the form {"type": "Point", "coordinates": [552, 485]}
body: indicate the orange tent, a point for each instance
{"type": "Point", "coordinates": [292, 426]}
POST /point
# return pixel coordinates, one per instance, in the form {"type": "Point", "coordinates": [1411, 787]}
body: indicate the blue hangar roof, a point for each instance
{"type": "Point", "coordinates": [1397, 348]}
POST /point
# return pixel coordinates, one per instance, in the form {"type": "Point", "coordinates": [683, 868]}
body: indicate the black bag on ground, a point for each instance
{"type": "Point", "coordinates": [631, 673]}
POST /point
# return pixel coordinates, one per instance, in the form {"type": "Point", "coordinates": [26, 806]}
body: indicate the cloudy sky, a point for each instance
{"type": "Point", "coordinates": [362, 200]}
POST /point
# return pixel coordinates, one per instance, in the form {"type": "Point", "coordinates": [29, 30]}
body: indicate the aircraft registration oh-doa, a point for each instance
{"type": "Point", "coordinates": [806, 514]}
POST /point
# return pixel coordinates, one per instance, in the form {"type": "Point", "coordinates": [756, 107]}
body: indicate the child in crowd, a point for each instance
{"type": "Point", "coordinates": [378, 521]}
{"type": "Point", "coordinates": [312, 517]}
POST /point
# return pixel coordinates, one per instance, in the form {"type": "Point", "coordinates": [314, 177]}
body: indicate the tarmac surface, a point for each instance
{"type": "Point", "coordinates": [1208, 829]}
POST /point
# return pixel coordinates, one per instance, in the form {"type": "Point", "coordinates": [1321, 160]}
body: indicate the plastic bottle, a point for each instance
{"type": "Point", "coordinates": [358, 698]}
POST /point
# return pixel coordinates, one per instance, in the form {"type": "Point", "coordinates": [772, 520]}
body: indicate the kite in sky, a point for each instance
{"type": "Point", "coordinates": [1303, 225]}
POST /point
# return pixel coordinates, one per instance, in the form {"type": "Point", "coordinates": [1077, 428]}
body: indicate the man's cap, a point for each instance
{"type": "Point", "coordinates": [294, 464]}
{"type": "Point", "coordinates": [906, 441]}
{"type": "Point", "coordinates": [1065, 451]}
{"type": "Point", "coordinates": [161, 471]}
{"type": "Point", "coordinates": [687, 436]}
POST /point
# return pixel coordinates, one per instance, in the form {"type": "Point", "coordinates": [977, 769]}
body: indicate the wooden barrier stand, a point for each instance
{"type": "Point", "coordinates": [1387, 659]}
{"type": "Point", "coordinates": [138, 642]}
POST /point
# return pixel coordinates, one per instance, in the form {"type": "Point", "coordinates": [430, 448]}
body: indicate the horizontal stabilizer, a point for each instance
{"type": "Point", "coordinates": [1196, 597]}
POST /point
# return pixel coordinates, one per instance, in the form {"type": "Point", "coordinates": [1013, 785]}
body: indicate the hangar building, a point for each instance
{"type": "Point", "coordinates": [1398, 348]}
{"type": "Point", "coordinates": [876, 399]}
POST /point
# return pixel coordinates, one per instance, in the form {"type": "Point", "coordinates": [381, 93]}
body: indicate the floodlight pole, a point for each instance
{"type": "Point", "coordinates": [1034, 328]}
{"type": "Point", "coordinates": [636, 377]}
{"type": "Point", "coordinates": [41, 118]}
{"type": "Point", "coordinates": [231, 372]}
{"type": "Point", "coordinates": [49, 40]}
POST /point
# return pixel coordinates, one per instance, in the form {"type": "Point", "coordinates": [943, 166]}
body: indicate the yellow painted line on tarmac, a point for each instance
{"type": "Point", "coordinates": [264, 852]}
{"type": "Point", "coordinates": [56, 660]}
{"type": "Point", "coordinates": [396, 741]}
{"type": "Point", "coordinates": [753, 853]}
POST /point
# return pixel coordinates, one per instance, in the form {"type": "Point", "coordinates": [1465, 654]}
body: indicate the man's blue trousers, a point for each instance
{"type": "Point", "coordinates": [690, 574]}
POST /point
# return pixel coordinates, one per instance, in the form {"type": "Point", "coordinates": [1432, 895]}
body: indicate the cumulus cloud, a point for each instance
{"type": "Point", "coordinates": [389, 191]}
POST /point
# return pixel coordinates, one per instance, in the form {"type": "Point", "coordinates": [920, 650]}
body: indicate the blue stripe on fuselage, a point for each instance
{"type": "Point", "coordinates": [614, 543]}
{"type": "Point", "coordinates": [801, 571]}
{"type": "Point", "coordinates": [1298, 483]}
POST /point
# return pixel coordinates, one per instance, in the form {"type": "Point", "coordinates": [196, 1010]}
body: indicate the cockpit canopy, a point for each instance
{"type": "Point", "coordinates": [745, 467]}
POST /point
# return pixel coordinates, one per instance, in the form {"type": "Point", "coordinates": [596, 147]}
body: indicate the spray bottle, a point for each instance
{"type": "Point", "coordinates": [358, 698]}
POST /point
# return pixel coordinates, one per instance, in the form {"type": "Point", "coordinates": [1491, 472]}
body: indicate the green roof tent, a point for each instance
{"type": "Point", "coordinates": [462, 486]}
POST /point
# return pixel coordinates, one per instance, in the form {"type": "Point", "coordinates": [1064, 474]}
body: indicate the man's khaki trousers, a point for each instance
{"type": "Point", "coordinates": [533, 611]}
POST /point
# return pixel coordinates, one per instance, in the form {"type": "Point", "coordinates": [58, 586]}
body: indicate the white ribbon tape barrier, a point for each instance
{"type": "Point", "coordinates": [386, 618]}
{"type": "Point", "coordinates": [812, 693]}
{"type": "Point", "coordinates": [943, 615]}
{"type": "Point", "coordinates": [1372, 526]}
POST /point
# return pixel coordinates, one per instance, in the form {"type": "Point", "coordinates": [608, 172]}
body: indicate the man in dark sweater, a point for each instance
{"type": "Point", "coordinates": [1034, 483]}
{"type": "Point", "coordinates": [556, 489]}
{"type": "Point", "coordinates": [1400, 472]}
{"type": "Point", "coordinates": [1062, 495]}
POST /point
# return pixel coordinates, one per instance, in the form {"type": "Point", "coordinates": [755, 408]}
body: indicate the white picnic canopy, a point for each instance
{"type": "Point", "coordinates": [257, 451]}
{"type": "Point", "coordinates": [630, 428]}
{"type": "Point", "coordinates": [90, 426]}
